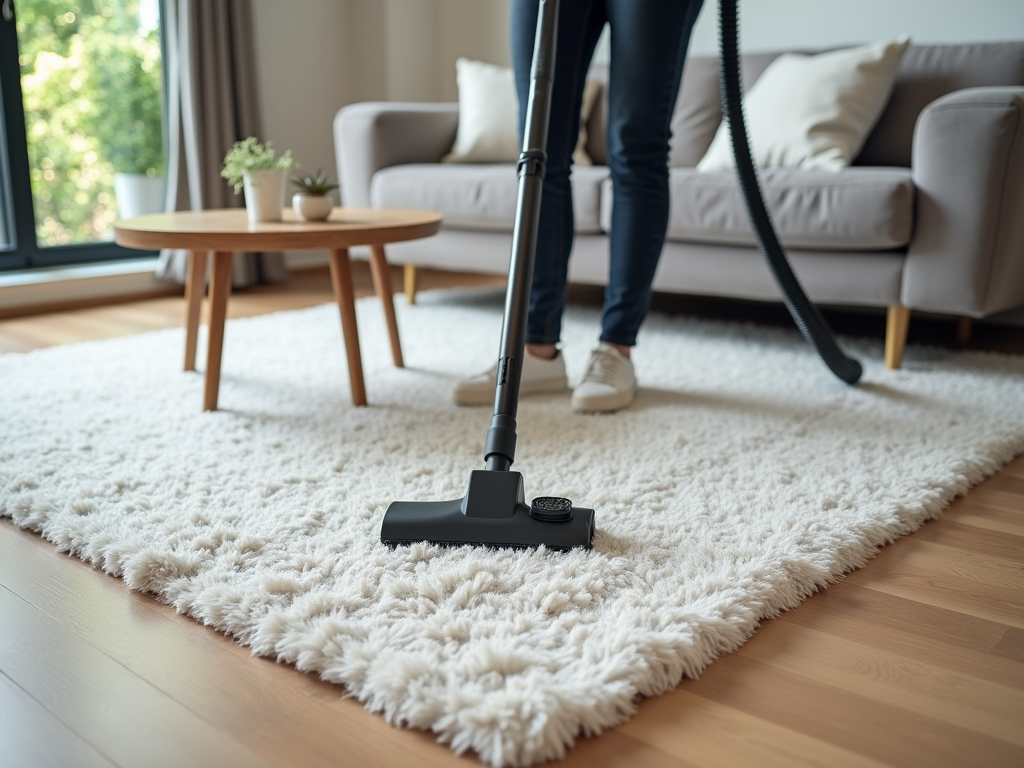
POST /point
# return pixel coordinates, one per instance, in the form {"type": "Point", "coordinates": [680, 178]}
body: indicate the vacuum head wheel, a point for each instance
{"type": "Point", "coordinates": [551, 509]}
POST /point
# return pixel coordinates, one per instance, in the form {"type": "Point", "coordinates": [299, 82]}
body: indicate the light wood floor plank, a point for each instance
{"type": "Point", "coordinates": [617, 749]}
{"type": "Point", "coordinates": [719, 736]}
{"type": "Point", "coordinates": [989, 514]}
{"type": "Point", "coordinates": [1011, 646]}
{"type": "Point", "coordinates": [956, 698]}
{"type": "Point", "coordinates": [866, 726]}
{"type": "Point", "coordinates": [32, 737]}
{"type": "Point", "coordinates": [982, 569]}
{"type": "Point", "coordinates": [997, 604]}
{"type": "Point", "coordinates": [1010, 484]}
{"type": "Point", "coordinates": [846, 605]}
{"type": "Point", "coordinates": [973, 539]}
{"type": "Point", "coordinates": [1015, 469]}
{"type": "Point", "coordinates": [136, 724]}
{"type": "Point", "coordinates": [999, 499]}
{"type": "Point", "coordinates": [937, 636]}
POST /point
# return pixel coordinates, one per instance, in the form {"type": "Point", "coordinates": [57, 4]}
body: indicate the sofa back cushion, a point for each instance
{"type": "Point", "coordinates": [926, 73]}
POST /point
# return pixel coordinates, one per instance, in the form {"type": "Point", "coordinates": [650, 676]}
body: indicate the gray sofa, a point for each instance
{"type": "Point", "coordinates": [930, 216]}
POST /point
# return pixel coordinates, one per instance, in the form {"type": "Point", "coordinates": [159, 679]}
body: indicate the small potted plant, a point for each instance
{"type": "Point", "coordinates": [313, 200]}
{"type": "Point", "coordinates": [256, 168]}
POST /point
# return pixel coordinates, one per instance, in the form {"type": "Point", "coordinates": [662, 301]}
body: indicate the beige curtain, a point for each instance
{"type": "Point", "coordinates": [212, 103]}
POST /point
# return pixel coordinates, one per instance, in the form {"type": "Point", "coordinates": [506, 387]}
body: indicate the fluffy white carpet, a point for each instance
{"type": "Point", "coordinates": [744, 478]}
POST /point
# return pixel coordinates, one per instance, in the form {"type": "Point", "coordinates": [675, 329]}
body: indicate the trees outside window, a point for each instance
{"type": "Point", "coordinates": [91, 84]}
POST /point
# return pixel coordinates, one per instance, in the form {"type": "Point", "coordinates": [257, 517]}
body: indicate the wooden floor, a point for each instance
{"type": "Point", "coordinates": [915, 660]}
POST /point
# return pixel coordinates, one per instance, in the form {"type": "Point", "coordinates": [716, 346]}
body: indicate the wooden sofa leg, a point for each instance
{"type": "Point", "coordinates": [410, 283]}
{"type": "Point", "coordinates": [964, 325]}
{"type": "Point", "coordinates": [896, 326]}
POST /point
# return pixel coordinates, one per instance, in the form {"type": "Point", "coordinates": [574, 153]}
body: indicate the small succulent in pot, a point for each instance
{"type": "Point", "coordinates": [313, 202]}
{"type": "Point", "coordinates": [319, 184]}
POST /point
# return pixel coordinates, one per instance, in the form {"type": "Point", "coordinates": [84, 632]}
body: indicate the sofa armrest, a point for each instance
{"type": "Point", "coordinates": [373, 135]}
{"type": "Point", "coordinates": [967, 253]}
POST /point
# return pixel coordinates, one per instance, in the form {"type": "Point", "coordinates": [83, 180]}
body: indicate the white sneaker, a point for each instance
{"type": "Point", "coordinates": [539, 376]}
{"type": "Point", "coordinates": [609, 383]}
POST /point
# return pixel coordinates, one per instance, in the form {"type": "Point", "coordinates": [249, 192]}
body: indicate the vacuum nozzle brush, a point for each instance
{"type": "Point", "coordinates": [493, 513]}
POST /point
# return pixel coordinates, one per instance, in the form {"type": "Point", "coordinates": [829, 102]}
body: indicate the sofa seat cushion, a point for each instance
{"type": "Point", "coordinates": [852, 209]}
{"type": "Point", "coordinates": [478, 197]}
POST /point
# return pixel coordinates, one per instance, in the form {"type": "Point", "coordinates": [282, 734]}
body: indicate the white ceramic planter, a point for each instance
{"type": "Point", "coordinates": [264, 194]}
{"type": "Point", "coordinates": [312, 207]}
{"type": "Point", "coordinates": [137, 193]}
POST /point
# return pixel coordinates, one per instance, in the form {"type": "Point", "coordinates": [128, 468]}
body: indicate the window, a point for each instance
{"type": "Point", "coordinates": [82, 138]}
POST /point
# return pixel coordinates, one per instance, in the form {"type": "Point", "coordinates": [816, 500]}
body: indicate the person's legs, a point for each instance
{"type": "Point", "coordinates": [648, 46]}
{"type": "Point", "coordinates": [649, 39]}
{"type": "Point", "coordinates": [579, 26]}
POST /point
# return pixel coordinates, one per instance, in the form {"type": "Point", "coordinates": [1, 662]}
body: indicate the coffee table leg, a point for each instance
{"type": "Point", "coordinates": [382, 282]}
{"type": "Point", "coordinates": [193, 304]}
{"type": "Point", "coordinates": [341, 279]}
{"type": "Point", "coordinates": [220, 288]}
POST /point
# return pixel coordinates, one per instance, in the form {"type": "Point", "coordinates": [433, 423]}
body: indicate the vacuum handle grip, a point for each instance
{"type": "Point", "coordinates": [542, 76]}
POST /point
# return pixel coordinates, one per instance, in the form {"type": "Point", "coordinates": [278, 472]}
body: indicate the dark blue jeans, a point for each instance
{"type": "Point", "coordinates": [648, 46]}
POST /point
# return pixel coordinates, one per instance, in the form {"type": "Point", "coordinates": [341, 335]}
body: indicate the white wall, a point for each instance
{"type": "Point", "coordinates": [409, 49]}
{"type": "Point", "coordinates": [413, 30]}
{"type": "Point", "coordinates": [316, 56]}
{"type": "Point", "coordinates": [304, 75]}
{"type": "Point", "coordinates": [476, 29]}
{"type": "Point", "coordinates": [780, 24]}
{"type": "Point", "coordinates": [364, 38]}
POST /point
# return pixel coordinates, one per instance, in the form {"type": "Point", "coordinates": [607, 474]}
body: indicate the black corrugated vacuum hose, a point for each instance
{"type": "Point", "coordinates": [806, 316]}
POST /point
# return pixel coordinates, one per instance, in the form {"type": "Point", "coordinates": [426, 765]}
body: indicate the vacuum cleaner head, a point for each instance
{"type": "Point", "coordinates": [493, 513]}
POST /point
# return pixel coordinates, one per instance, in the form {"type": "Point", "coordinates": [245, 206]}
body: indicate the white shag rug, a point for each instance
{"type": "Point", "coordinates": [744, 478]}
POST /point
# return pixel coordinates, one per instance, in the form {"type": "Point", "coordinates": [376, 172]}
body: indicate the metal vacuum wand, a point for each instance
{"type": "Point", "coordinates": [500, 447]}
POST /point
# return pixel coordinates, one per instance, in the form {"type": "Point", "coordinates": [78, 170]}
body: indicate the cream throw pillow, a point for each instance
{"type": "Point", "coordinates": [813, 111]}
{"type": "Point", "coordinates": [489, 115]}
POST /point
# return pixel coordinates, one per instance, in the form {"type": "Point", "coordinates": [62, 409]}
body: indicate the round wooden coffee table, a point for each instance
{"type": "Point", "coordinates": [223, 232]}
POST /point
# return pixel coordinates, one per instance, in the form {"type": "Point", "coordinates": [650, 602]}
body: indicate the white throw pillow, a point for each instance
{"type": "Point", "coordinates": [489, 115]}
{"type": "Point", "coordinates": [813, 111]}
